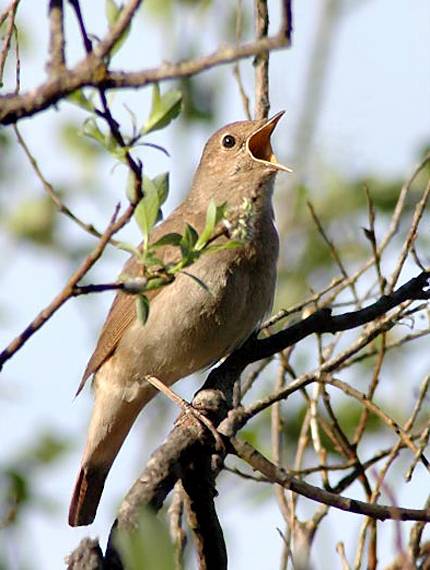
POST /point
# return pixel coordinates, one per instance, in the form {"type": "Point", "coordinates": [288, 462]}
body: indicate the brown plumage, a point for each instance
{"type": "Point", "coordinates": [189, 326]}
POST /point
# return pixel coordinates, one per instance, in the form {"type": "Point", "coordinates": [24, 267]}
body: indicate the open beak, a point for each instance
{"type": "Point", "coordinates": [259, 147]}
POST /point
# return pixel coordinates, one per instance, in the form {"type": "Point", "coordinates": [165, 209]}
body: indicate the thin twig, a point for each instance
{"type": "Point", "coordinates": [56, 37]}
{"type": "Point", "coordinates": [187, 408]}
{"type": "Point", "coordinates": [61, 207]}
{"type": "Point", "coordinates": [333, 250]}
{"type": "Point", "coordinates": [236, 67]}
{"type": "Point", "coordinates": [10, 14]}
{"type": "Point", "coordinates": [177, 533]}
{"type": "Point", "coordinates": [67, 292]}
{"type": "Point", "coordinates": [410, 239]}
{"type": "Point", "coordinates": [261, 63]}
{"type": "Point", "coordinates": [380, 512]}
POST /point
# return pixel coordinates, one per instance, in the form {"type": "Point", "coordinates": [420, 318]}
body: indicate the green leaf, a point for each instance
{"type": "Point", "coordinates": [146, 213]}
{"type": "Point", "coordinates": [156, 283]}
{"type": "Point", "coordinates": [164, 109]}
{"type": "Point", "coordinates": [169, 239]}
{"type": "Point", "coordinates": [113, 12]}
{"type": "Point", "coordinates": [78, 98]}
{"type": "Point", "coordinates": [188, 240]}
{"type": "Point", "coordinates": [83, 147]}
{"type": "Point", "coordinates": [209, 226]}
{"type": "Point", "coordinates": [213, 215]}
{"type": "Point", "coordinates": [128, 247]}
{"type": "Point", "coordinates": [130, 189]}
{"type": "Point", "coordinates": [162, 184]}
{"type": "Point", "coordinates": [148, 258]}
{"type": "Point", "coordinates": [233, 244]}
{"type": "Point", "coordinates": [91, 129]}
{"type": "Point", "coordinates": [142, 308]}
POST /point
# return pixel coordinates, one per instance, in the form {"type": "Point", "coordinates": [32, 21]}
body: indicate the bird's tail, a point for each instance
{"type": "Point", "coordinates": [111, 421]}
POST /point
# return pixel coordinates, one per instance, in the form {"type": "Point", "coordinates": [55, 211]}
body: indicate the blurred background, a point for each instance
{"type": "Point", "coordinates": [356, 89]}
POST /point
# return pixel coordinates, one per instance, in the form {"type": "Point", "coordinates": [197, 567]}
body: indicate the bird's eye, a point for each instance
{"type": "Point", "coordinates": [228, 141]}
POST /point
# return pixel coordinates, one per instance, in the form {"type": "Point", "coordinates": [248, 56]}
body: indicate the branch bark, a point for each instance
{"type": "Point", "coordinates": [92, 72]}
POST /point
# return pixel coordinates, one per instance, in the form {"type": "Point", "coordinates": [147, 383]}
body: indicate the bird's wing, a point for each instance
{"type": "Point", "coordinates": [123, 312]}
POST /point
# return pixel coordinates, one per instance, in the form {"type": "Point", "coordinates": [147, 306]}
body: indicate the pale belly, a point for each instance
{"type": "Point", "coordinates": [191, 326]}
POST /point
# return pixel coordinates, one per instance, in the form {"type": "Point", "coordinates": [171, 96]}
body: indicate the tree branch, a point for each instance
{"type": "Point", "coordinates": [92, 72]}
{"type": "Point", "coordinates": [380, 512]}
{"type": "Point", "coordinates": [198, 481]}
{"type": "Point", "coordinates": [322, 321]}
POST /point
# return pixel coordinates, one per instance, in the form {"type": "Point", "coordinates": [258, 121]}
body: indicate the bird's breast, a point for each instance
{"type": "Point", "coordinates": [210, 308]}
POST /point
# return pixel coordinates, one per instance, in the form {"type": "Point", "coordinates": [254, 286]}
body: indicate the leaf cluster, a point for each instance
{"type": "Point", "coordinates": [190, 244]}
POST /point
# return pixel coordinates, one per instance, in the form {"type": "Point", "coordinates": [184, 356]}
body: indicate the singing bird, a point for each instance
{"type": "Point", "coordinates": [189, 326]}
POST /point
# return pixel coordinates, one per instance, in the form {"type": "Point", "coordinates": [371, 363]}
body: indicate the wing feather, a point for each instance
{"type": "Point", "coordinates": [122, 312]}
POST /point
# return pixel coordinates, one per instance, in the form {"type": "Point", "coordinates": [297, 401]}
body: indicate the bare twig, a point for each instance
{"type": "Point", "coordinates": [410, 239]}
{"type": "Point", "coordinates": [371, 235]}
{"type": "Point", "coordinates": [61, 207]}
{"type": "Point", "coordinates": [340, 549]}
{"type": "Point", "coordinates": [236, 67]}
{"type": "Point", "coordinates": [87, 555]}
{"type": "Point", "coordinates": [67, 292]}
{"type": "Point", "coordinates": [56, 36]}
{"type": "Point", "coordinates": [187, 408]}
{"type": "Point", "coordinates": [10, 14]}
{"type": "Point", "coordinates": [333, 250]}
{"type": "Point", "coordinates": [262, 104]}
{"type": "Point", "coordinates": [128, 11]}
{"type": "Point", "coordinates": [198, 482]}
{"type": "Point", "coordinates": [380, 512]}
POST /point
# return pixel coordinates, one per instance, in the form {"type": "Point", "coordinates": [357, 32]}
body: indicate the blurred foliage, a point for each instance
{"type": "Point", "coordinates": [198, 100]}
{"type": "Point", "coordinates": [149, 546]}
{"type": "Point", "coordinates": [347, 413]}
{"type": "Point", "coordinates": [343, 212]}
{"type": "Point", "coordinates": [33, 220]}
{"type": "Point", "coordinates": [84, 148]}
{"type": "Point", "coordinates": [17, 477]}
{"type": "Point", "coordinates": [6, 149]}
{"type": "Point", "coordinates": [165, 9]}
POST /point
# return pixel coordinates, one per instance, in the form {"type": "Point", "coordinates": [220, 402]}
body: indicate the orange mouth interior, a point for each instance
{"type": "Point", "coordinates": [259, 145]}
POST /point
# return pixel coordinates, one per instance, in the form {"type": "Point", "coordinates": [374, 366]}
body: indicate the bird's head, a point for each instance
{"type": "Point", "coordinates": [238, 158]}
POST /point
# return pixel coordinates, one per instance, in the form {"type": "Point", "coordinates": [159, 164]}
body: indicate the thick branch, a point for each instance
{"type": "Point", "coordinates": [169, 462]}
{"type": "Point", "coordinates": [87, 556]}
{"type": "Point", "coordinates": [198, 482]}
{"type": "Point", "coordinates": [324, 322]}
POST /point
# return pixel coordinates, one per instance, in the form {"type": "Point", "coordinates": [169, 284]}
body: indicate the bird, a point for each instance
{"type": "Point", "coordinates": [189, 327]}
